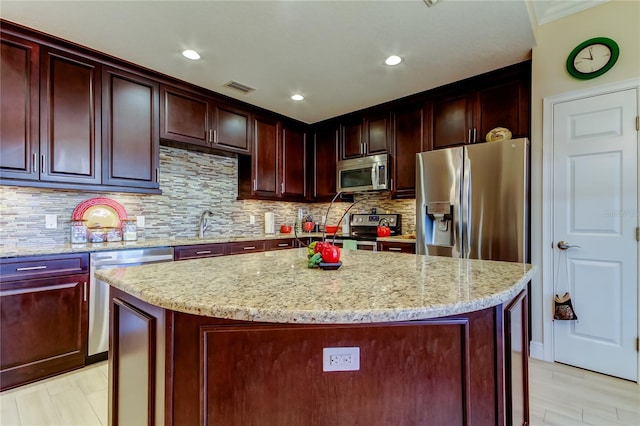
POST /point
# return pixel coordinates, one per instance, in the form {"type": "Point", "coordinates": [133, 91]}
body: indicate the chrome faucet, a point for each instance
{"type": "Point", "coordinates": [203, 224]}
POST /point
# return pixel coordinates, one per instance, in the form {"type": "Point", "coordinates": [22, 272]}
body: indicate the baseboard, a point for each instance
{"type": "Point", "coordinates": [536, 350]}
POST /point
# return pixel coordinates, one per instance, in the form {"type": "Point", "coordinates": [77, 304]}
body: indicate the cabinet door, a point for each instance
{"type": "Point", "coordinates": [232, 129]}
{"type": "Point", "coordinates": [70, 119]}
{"type": "Point", "coordinates": [43, 323]}
{"type": "Point", "coordinates": [131, 130]}
{"type": "Point", "coordinates": [503, 105]}
{"type": "Point", "coordinates": [199, 251]}
{"type": "Point", "coordinates": [19, 115]}
{"type": "Point", "coordinates": [351, 139]}
{"type": "Point", "coordinates": [294, 160]}
{"type": "Point", "coordinates": [185, 117]}
{"type": "Point", "coordinates": [376, 134]}
{"type": "Point", "coordinates": [408, 131]}
{"type": "Point", "coordinates": [452, 121]}
{"type": "Point", "coordinates": [397, 247]}
{"type": "Point", "coordinates": [265, 158]}
{"type": "Point", "coordinates": [325, 156]}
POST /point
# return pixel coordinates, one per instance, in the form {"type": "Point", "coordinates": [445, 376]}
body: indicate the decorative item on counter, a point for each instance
{"type": "Point", "coordinates": [129, 229]}
{"type": "Point", "coordinates": [100, 212]}
{"type": "Point", "coordinates": [114, 234]}
{"type": "Point", "coordinates": [324, 255]}
{"type": "Point", "coordinates": [97, 234]}
{"type": "Point", "coordinates": [331, 229]}
{"type": "Point", "coordinates": [498, 134]}
{"type": "Point", "coordinates": [285, 229]}
{"type": "Point", "coordinates": [78, 231]}
{"type": "Point", "coordinates": [308, 226]}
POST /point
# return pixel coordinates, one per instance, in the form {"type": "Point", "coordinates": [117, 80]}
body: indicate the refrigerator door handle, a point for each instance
{"type": "Point", "coordinates": [466, 196]}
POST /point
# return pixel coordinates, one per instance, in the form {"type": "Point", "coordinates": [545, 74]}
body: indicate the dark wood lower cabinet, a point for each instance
{"type": "Point", "coordinates": [43, 319]}
{"type": "Point", "coordinates": [516, 338]}
{"type": "Point", "coordinates": [443, 371]}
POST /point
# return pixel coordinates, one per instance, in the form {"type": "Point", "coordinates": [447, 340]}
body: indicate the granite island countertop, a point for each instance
{"type": "Point", "coordinates": [278, 287]}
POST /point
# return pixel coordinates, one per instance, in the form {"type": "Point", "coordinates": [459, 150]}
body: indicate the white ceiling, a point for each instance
{"type": "Point", "coordinates": [332, 52]}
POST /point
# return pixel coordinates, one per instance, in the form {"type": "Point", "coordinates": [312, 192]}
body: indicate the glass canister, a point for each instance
{"type": "Point", "coordinates": [129, 229]}
{"type": "Point", "coordinates": [97, 234]}
{"type": "Point", "coordinates": [114, 234]}
{"type": "Point", "coordinates": [78, 231]}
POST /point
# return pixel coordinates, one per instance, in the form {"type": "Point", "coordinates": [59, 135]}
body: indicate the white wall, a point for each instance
{"type": "Point", "coordinates": [618, 20]}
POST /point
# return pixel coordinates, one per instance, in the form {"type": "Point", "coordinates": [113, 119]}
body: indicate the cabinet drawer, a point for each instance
{"type": "Point", "coordinates": [397, 247]}
{"type": "Point", "coordinates": [241, 247]}
{"type": "Point", "coordinates": [281, 244]}
{"type": "Point", "coordinates": [199, 251]}
{"type": "Point", "coordinates": [20, 268]}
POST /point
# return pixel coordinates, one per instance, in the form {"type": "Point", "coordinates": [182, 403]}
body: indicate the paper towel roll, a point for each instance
{"type": "Point", "coordinates": [269, 223]}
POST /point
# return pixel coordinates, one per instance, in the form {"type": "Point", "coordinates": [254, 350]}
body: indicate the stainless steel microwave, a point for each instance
{"type": "Point", "coordinates": [363, 174]}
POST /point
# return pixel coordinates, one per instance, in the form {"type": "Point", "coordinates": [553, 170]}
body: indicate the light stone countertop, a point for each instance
{"type": "Point", "coordinates": [6, 252]}
{"type": "Point", "coordinates": [278, 287]}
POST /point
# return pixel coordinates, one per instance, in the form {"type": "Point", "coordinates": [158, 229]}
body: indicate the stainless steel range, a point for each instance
{"type": "Point", "coordinates": [363, 227]}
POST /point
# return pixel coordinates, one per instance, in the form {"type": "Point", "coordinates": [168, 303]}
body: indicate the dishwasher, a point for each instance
{"type": "Point", "coordinates": [99, 291]}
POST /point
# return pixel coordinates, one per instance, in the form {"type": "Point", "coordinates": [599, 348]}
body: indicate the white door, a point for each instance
{"type": "Point", "coordinates": [595, 183]}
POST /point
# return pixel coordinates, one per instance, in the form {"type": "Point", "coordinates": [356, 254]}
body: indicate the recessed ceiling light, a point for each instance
{"type": "Point", "coordinates": [297, 97]}
{"type": "Point", "coordinates": [393, 60]}
{"type": "Point", "coordinates": [191, 54]}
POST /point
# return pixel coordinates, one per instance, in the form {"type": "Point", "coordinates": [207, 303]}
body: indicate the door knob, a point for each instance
{"type": "Point", "coordinates": [563, 245]}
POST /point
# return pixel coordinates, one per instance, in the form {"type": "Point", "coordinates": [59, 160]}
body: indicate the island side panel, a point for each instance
{"type": "Point", "coordinates": [411, 372]}
{"type": "Point", "coordinates": [136, 361]}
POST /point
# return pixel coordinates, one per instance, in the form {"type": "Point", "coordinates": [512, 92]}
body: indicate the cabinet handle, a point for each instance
{"type": "Point", "coordinates": [249, 248]}
{"type": "Point", "coordinates": [282, 188]}
{"type": "Point", "coordinates": [469, 136]}
{"type": "Point", "coordinates": [215, 136]}
{"type": "Point", "coordinates": [84, 291]}
{"type": "Point", "coordinates": [395, 249]}
{"type": "Point", "coordinates": [42, 163]}
{"type": "Point", "coordinates": [475, 135]}
{"type": "Point", "coordinates": [34, 160]}
{"type": "Point", "coordinates": [210, 136]}
{"type": "Point", "coordinates": [255, 185]}
{"type": "Point", "coordinates": [31, 268]}
{"type": "Point", "coordinates": [204, 252]}
{"type": "Point", "coordinates": [157, 175]}
{"type": "Point", "coordinates": [391, 183]}
{"type": "Point", "coordinates": [283, 245]}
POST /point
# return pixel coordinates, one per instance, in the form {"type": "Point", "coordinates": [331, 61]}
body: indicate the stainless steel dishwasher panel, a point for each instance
{"type": "Point", "coordinates": [99, 290]}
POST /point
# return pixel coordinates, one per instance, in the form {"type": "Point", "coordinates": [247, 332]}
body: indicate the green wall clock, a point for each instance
{"type": "Point", "coordinates": [592, 58]}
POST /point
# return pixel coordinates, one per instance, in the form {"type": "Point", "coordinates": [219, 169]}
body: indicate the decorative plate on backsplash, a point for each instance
{"type": "Point", "coordinates": [100, 211]}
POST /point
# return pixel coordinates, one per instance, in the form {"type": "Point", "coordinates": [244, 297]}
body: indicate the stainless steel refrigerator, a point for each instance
{"type": "Point", "coordinates": [472, 201]}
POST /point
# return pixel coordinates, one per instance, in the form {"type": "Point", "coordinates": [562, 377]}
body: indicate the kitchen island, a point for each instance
{"type": "Point", "coordinates": [239, 340]}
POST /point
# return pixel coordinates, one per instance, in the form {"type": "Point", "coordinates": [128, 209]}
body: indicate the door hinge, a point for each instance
{"type": "Point", "coordinates": [637, 122]}
{"type": "Point", "coordinates": [637, 344]}
{"type": "Point", "coordinates": [637, 233]}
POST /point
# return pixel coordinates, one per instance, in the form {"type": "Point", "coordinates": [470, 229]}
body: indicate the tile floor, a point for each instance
{"type": "Point", "coordinates": [560, 395]}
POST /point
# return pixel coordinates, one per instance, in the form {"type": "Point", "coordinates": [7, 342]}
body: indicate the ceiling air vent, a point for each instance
{"type": "Point", "coordinates": [239, 86]}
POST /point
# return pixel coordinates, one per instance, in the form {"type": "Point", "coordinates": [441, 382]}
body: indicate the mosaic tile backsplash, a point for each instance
{"type": "Point", "coordinates": [191, 182]}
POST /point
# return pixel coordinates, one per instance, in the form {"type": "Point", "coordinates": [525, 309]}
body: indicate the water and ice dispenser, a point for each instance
{"type": "Point", "coordinates": [439, 224]}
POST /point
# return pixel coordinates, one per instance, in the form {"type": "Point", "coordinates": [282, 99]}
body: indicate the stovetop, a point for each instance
{"type": "Point", "coordinates": [364, 226]}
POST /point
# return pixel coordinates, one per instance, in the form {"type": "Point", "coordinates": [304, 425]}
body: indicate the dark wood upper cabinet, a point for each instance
{"type": "Point", "coordinates": [325, 156]}
{"type": "Point", "coordinates": [376, 132]}
{"type": "Point", "coordinates": [266, 152]}
{"type": "Point", "coordinates": [465, 112]}
{"type": "Point", "coordinates": [453, 121]}
{"type": "Point", "coordinates": [131, 140]}
{"type": "Point", "coordinates": [185, 116]}
{"type": "Point", "coordinates": [232, 130]}
{"type": "Point", "coordinates": [19, 113]}
{"type": "Point", "coordinates": [504, 104]}
{"type": "Point", "coordinates": [70, 118]}
{"type": "Point", "coordinates": [196, 119]}
{"type": "Point", "coordinates": [368, 135]}
{"type": "Point", "coordinates": [294, 155]}
{"type": "Point", "coordinates": [408, 140]}
{"type": "Point", "coordinates": [351, 138]}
